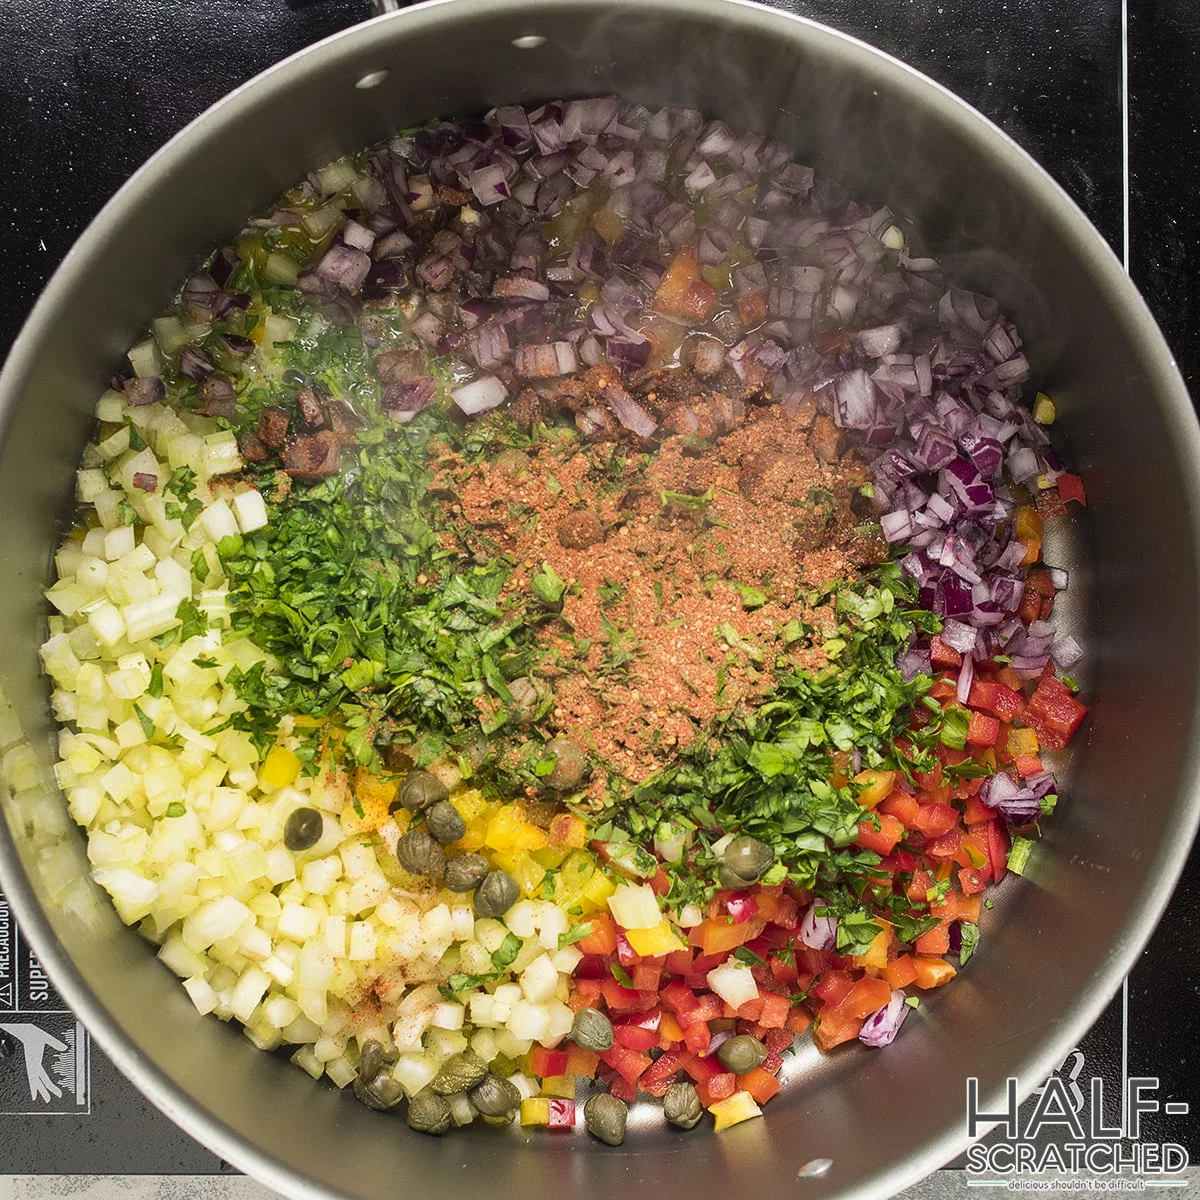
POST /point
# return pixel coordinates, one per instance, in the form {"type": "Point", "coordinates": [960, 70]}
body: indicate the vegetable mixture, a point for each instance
{"type": "Point", "coordinates": [556, 613]}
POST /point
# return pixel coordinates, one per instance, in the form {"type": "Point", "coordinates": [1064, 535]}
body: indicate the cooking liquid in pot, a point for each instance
{"type": "Point", "coordinates": [560, 600]}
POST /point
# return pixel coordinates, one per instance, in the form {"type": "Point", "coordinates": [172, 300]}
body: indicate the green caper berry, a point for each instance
{"type": "Point", "coordinates": [303, 829]}
{"type": "Point", "coordinates": [748, 858]}
{"type": "Point", "coordinates": [741, 1054]}
{"type": "Point", "coordinates": [421, 855]}
{"type": "Point", "coordinates": [443, 821]}
{"type": "Point", "coordinates": [681, 1105]}
{"type": "Point", "coordinates": [592, 1030]}
{"type": "Point", "coordinates": [570, 764]}
{"type": "Point", "coordinates": [459, 1073]}
{"type": "Point", "coordinates": [605, 1117]}
{"type": "Point", "coordinates": [421, 790]}
{"type": "Point", "coordinates": [429, 1113]}
{"type": "Point", "coordinates": [495, 1097]}
{"type": "Point", "coordinates": [728, 879]}
{"type": "Point", "coordinates": [496, 894]}
{"type": "Point", "coordinates": [465, 872]}
{"type": "Point", "coordinates": [379, 1091]}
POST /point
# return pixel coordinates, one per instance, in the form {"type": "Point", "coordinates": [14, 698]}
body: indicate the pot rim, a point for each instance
{"type": "Point", "coordinates": [1168, 385]}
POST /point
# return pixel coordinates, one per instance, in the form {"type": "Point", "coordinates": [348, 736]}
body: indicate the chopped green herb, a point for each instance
{"type": "Point", "coordinates": [148, 726]}
{"type": "Point", "coordinates": [507, 951]}
{"type": "Point", "coordinates": [619, 973]}
{"type": "Point", "coordinates": [575, 934]}
{"type": "Point", "coordinates": [175, 809]}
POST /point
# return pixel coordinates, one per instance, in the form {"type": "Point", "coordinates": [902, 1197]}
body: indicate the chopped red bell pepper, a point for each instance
{"type": "Point", "coordinates": [545, 1064]}
{"type": "Point", "coordinates": [971, 880]}
{"type": "Point", "coordinates": [633, 1037]}
{"type": "Point", "coordinates": [562, 1113]}
{"type": "Point", "coordinates": [629, 1064]}
{"type": "Point", "coordinates": [833, 985]}
{"type": "Point", "coordinates": [1054, 713]}
{"type": "Point", "coordinates": [703, 1068]}
{"type": "Point", "coordinates": [760, 1083]}
{"type": "Point", "coordinates": [775, 1011]}
{"type": "Point", "coordinates": [646, 974]}
{"type": "Point", "coordinates": [661, 1074]}
{"type": "Point", "coordinates": [741, 906]}
{"type": "Point", "coordinates": [883, 839]}
{"type": "Point", "coordinates": [719, 1087]}
{"type": "Point", "coordinates": [697, 1036]}
{"type": "Point", "coordinates": [941, 655]}
{"type": "Point", "coordinates": [626, 954]}
{"type": "Point", "coordinates": [982, 730]}
{"type": "Point", "coordinates": [622, 1089]}
{"type": "Point", "coordinates": [935, 819]}
{"type": "Point", "coordinates": [1070, 487]}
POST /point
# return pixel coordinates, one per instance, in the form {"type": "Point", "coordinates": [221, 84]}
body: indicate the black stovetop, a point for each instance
{"type": "Point", "coordinates": [1103, 92]}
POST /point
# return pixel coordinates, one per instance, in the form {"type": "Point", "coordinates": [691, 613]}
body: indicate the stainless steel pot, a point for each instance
{"type": "Point", "coordinates": [1062, 938]}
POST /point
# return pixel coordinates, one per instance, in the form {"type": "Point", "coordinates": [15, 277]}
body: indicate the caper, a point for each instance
{"type": "Point", "coordinates": [303, 829]}
{"type": "Point", "coordinates": [570, 763]}
{"type": "Point", "coordinates": [379, 1091]}
{"type": "Point", "coordinates": [681, 1105]}
{"type": "Point", "coordinates": [741, 1054]}
{"type": "Point", "coordinates": [421, 855]}
{"type": "Point", "coordinates": [444, 822]}
{"type": "Point", "coordinates": [429, 1113]}
{"type": "Point", "coordinates": [459, 1073]}
{"type": "Point", "coordinates": [604, 1116]}
{"type": "Point", "coordinates": [420, 790]}
{"type": "Point", "coordinates": [748, 858]}
{"type": "Point", "coordinates": [731, 882]}
{"type": "Point", "coordinates": [525, 701]}
{"type": "Point", "coordinates": [513, 462]}
{"type": "Point", "coordinates": [592, 1030]}
{"type": "Point", "coordinates": [372, 1059]}
{"type": "Point", "coordinates": [465, 872]}
{"type": "Point", "coordinates": [495, 1097]}
{"type": "Point", "coordinates": [496, 894]}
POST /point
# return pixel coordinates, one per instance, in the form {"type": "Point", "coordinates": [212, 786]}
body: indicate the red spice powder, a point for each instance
{"type": "Point", "coordinates": [687, 569]}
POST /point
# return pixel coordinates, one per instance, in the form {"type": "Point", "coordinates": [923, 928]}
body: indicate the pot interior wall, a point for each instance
{"type": "Point", "coordinates": [1045, 966]}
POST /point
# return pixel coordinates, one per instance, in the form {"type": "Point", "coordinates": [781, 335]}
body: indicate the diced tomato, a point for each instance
{"type": "Point", "coordinates": [752, 307]}
{"type": "Point", "coordinates": [941, 655]}
{"type": "Point", "coordinates": [602, 939]}
{"type": "Point", "coordinates": [787, 912]}
{"type": "Point", "coordinates": [883, 839]}
{"type": "Point", "coordinates": [547, 1063]}
{"type": "Point", "coordinates": [581, 1062]}
{"type": "Point", "coordinates": [662, 1072]}
{"type": "Point", "coordinates": [783, 972]}
{"type": "Point", "coordinates": [920, 883]}
{"type": "Point", "coordinates": [997, 698]}
{"type": "Point", "coordinates": [833, 986]}
{"type": "Point", "coordinates": [995, 837]}
{"type": "Point", "coordinates": [634, 1037]}
{"type": "Point", "coordinates": [974, 811]}
{"type": "Point", "coordinates": [982, 730]}
{"type": "Point", "coordinates": [902, 806]}
{"type": "Point", "coordinates": [629, 1064]}
{"type": "Point", "coordinates": [760, 1084]}
{"type": "Point", "coordinates": [972, 852]}
{"type": "Point", "coordinates": [1070, 487]}
{"type": "Point", "coordinates": [834, 1028]}
{"type": "Point", "coordinates": [936, 941]}
{"type": "Point", "coordinates": [679, 962]}
{"type": "Point", "coordinates": [900, 972]}
{"type": "Point", "coordinates": [714, 936]}
{"type": "Point", "coordinates": [971, 881]}
{"type": "Point", "coordinates": [646, 974]}
{"type": "Point", "coordinates": [586, 993]}
{"type": "Point", "coordinates": [1028, 764]}
{"type": "Point", "coordinates": [719, 1087]}
{"type": "Point", "coordinates": [867, 995]}
{"type": "Point", "coordinates": [799, 1019]}
{"type": "Point", "coordinates": [775, 1011]}
{"type": "Point", "coordinates": [932, 972]}
{"type": "Point", "coordinates": [697, 1036]}
{"type": "Point", "coordinates": [681, 292]}
{"type": "Point", "coordinates": [944, 689]}
{"type": "Point", "coordinates": [945, 846]}
{"type": "Point", "coordinates": [751, 1010]}
{"type": "Point", "coordinates": [622, 1089]}
{"type": "Point", "coordinates": [660, 882]}
{"type": "Point", "coordinates": [935, 819]}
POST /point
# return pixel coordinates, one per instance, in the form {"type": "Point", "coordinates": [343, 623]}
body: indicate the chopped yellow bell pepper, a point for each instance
{"type": "Point", "coordinates": [737, 1108]}
{"type": "Point", "coordinates": [469, 804]}
{"type": "Point", "coordinates": [529, 874]}
{"type": "Point", "coordinates": [1043, 409]}
{"type": "Point", "coordinates": [535, 1111]}
{"type": "Point", "coordinates": [877, 786]}
{"type": "Point", "coordinates": [280, 768]}
{"type": "Point", "coordinates": [560, 1086]}
{"type": "Point", "coordinates": [568, 831]}
{"type": "Point", "coordinates": [652, 943]}
{"type": "Point", "coordinates": [1022, 741]}
{"type": "Point", "coordinates": [876, 954]}
{"type": "Point", "coordinates": [598, 889]}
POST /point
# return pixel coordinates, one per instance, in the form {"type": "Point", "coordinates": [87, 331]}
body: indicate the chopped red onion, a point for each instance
{"type": "Point", "coordinates": [818, 933]}
{"type": "Point", "coordinates": [881, 1027]}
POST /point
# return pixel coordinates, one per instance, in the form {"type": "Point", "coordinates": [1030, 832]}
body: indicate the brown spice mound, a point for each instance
{"type": "Point", "coordinates": [664, 630]}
